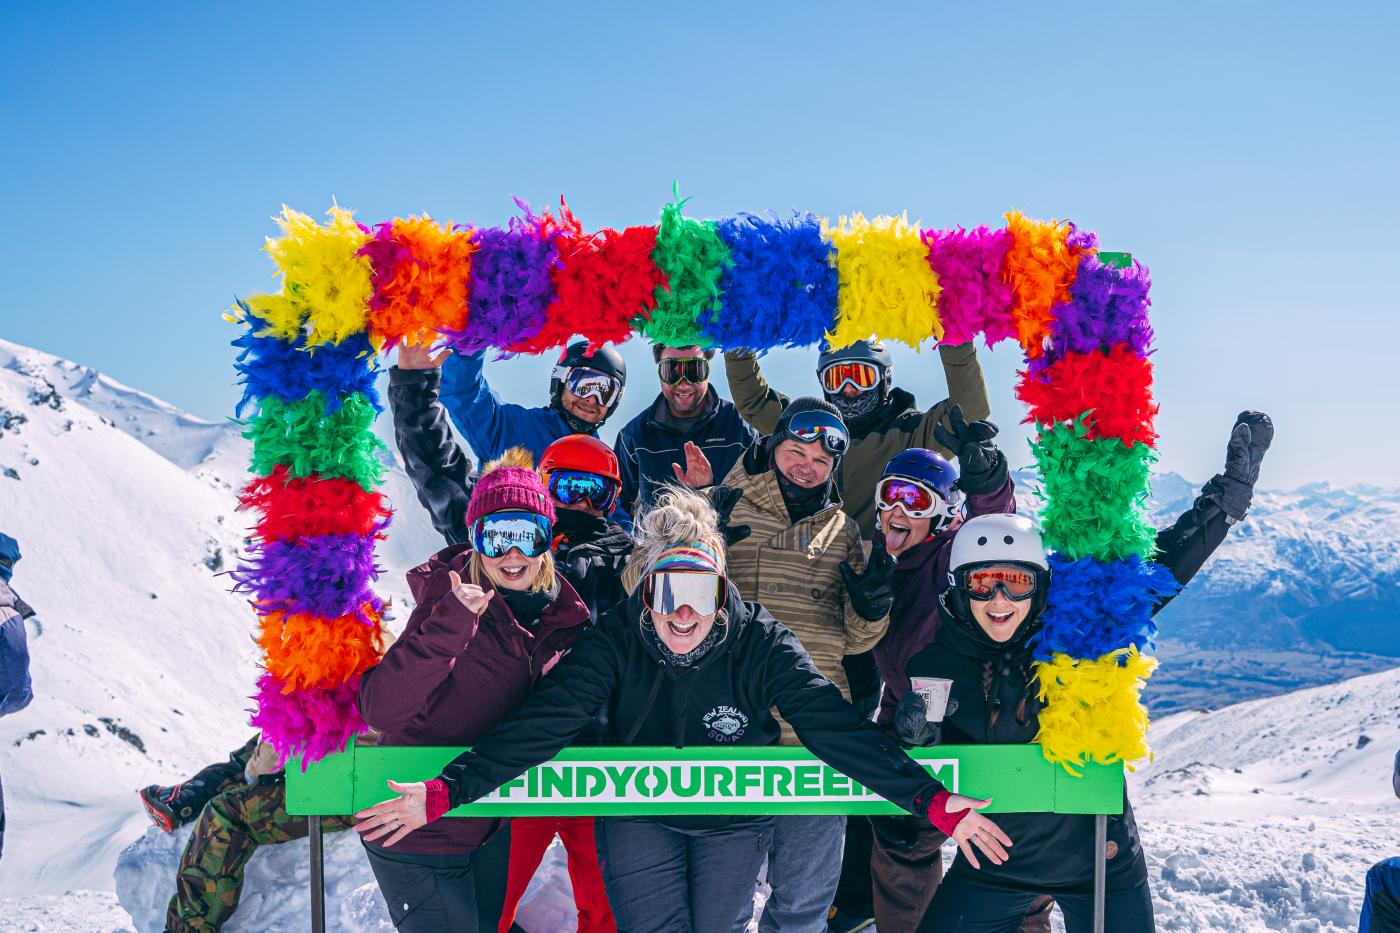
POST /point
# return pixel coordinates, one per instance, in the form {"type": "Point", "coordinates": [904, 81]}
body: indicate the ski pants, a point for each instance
{"type": "Point", "coordinates": [906, 866]}
{"type": "Point", "coordinates": [1380, 911]}
{"type": "Point", "coordinates": [462, 892]}
{"type": "Point", "coordinates": [969, 905]}
{"type": "Point", "coordinates": [804, 867]}
{"type": "Point", "coordinates": [530, 838]}
{"type": "Point", "coordinates": [230, 828]}
{"type": "Point", "coordinates": [666, 880]}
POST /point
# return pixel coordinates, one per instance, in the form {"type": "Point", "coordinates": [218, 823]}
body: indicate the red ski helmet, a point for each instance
{"type": "Point", "coordinates": [580, 452]}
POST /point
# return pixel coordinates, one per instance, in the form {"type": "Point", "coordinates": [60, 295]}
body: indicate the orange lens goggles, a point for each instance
{"type": "Point", "coordinates": [1016, 582]}
{"type": "Point", "coordinates": [861, 375]}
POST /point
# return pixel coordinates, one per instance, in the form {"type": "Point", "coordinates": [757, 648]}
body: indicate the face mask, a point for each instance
{"type": "Point", "coordinates": [853, 408]}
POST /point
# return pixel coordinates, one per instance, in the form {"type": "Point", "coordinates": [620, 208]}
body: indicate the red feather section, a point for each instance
{"type": "Point", "coordinates": [1112, 389]}
{"type": "Point", "coordinates": [309, 507]}
{"type": "Point", "coordinates": [607, 280]}
{"type": "Point", "coordinates": [308, 652]}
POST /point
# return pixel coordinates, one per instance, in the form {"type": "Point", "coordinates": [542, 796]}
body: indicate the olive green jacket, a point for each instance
{"type": "Point", "coordinates": [895, 426]}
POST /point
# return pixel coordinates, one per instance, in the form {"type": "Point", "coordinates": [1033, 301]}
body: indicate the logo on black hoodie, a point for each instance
{"type": "Point", "coordinates": [725, 724]}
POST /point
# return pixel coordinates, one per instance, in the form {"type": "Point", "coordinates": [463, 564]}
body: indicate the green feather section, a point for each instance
{"type": "Point", "coordinates": [693, 258]}
{"type": "Point", "coordinates": [1095, 494]}
{"type": "Point", "coordinates": [309, 441]}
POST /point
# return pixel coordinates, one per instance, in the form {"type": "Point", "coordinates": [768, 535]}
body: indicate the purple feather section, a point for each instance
{"type": "Point", "coordinates": [511, 282]}
{"type": "Point", "coordinates": [310, 723]}
{"type": "Point", "coordinates": [1107, 307]}
{"type": "Point", "coordinates": [327, 576]}
{"type": "Point", "coordinates": [975, 299]}
{"type": "Point", "coordinates": [1081, 239]}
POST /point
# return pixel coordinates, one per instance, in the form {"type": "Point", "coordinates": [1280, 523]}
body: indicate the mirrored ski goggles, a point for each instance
{"type": "Point", "coordinates": [1015, 581]}
{"type": "Point", "coordinates": [808, 426]}
{"type": "Point", "coordinates": [691, 369]}
{"type": "Point", "coordinates": [575, 487]}
{"type": "Point", "coordinates": [591, 383]}
{"type": "Point", "coordinates": [863, 376]}
{"type": "Point", "coordinates": [917, 500]}
{"type": "Point", "coordinates": [495, 535]}
{"type": "Point", "coordinates": [668, 590]}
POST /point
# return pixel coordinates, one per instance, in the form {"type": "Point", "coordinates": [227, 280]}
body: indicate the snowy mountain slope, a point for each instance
{"type": "Point", "coordinates": [1266, 814]}
{"type": "Point", "coordinates": [143, 661]}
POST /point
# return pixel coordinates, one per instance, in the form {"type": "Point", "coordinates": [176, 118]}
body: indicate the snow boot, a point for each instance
{"type": "Point", "coordinates": [169, 807]}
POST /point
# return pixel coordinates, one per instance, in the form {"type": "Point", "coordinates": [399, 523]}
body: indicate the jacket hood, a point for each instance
{"type": "Point", "coordinates": [759, 484]}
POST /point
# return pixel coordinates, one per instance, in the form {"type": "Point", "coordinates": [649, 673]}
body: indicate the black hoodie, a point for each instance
{"type": "Point", "coordinates": [615, 669]}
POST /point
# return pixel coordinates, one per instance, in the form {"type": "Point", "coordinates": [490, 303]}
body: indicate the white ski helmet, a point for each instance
{"type": "Point", "coordinates": [996, 539]}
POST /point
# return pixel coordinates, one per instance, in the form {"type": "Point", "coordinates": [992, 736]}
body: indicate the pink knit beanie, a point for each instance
{"type": "Point", "coordinates": [507, 486]}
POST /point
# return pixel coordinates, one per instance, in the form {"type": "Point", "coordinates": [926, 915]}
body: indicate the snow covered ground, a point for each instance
{"type": "Point", "coordinates": [1263, 815]}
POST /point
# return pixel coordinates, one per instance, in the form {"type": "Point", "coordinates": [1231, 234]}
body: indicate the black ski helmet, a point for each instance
{"type": "Point", "coordinates": [578, 354]}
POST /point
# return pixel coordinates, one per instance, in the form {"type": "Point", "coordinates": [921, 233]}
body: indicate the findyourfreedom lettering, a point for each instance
{"type": "Point", "coordinates": [693, 782]}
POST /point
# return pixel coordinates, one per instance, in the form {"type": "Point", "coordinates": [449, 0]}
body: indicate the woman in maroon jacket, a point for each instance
{"type": "Point", "coordinates": [492, 617]}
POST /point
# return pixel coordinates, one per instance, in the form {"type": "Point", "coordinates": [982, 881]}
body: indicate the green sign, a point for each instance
{"type": "Point", "coordinates": [709, 780]}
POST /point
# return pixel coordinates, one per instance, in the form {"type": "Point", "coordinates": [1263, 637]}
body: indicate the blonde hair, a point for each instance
{"type": "Point", "coordinates": [678, 516]}
{"type": "Point", "coordinates": [543, 582]}
{"type": "Point", "coordinates": [511, 457]}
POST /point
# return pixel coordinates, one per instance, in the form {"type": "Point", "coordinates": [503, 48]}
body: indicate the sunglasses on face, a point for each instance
{"type": "Point", "coordinates": [668, 591]}
{"type": "Point", "coordinates": [691, 369]}
{"type": "Point", "coordinates": [586, 383]}
{"type": "Point", "coordinates": [917, 500]}
{"type": "Point", "coordinates": [575, 487]}
{"type": "Point", "coordinates": [982, 583]}
{"type": "Point", "coordinates": [497, 534]}
{"type": "Point", "coordinates": [809, 426]}
{"type": "Point", "coordinates": [863, 376]}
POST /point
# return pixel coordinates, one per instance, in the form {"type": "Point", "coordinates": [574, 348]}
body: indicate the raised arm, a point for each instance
{"type": "Point", "coordinates": [868, 591]}
{"type": "Point", "coordinates": [439, 470]}
{"type": "Point", "coordinates": [15, 687]}
{"type": "Point", "coordinates": [966, 389]}
{"type": "Point", "coordinates": [395, 690]}
{"type": "Point", "coordinates": [489, 424]}
{"type": "Point", "coordinates": [759, 403]}
{"type": "Point", "coordinates": [1224, 500]}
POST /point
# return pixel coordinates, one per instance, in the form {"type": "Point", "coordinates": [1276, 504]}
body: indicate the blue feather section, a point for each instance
{"type": "Point", "coordinates": [270, 366]}
{"type": "Point", "coordinates": [1095, 607]}
{"type": "Point", "coordinates": [781, 289]}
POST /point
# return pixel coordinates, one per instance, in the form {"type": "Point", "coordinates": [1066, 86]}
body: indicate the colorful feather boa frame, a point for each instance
{"type": "Point", "coordinates": [753, 282]}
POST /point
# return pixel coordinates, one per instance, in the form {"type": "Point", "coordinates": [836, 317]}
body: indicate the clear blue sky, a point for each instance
{"type": "Point", "coordinates": [1245, 151]}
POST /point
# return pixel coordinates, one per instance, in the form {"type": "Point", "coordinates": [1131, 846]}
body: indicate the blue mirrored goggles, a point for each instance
{"type": "Point", "coordinates": [577, 487]}
{"type": "Point", "coordinates": [497, 534]}
{"type": "Point", "coordinates": [809, 426]}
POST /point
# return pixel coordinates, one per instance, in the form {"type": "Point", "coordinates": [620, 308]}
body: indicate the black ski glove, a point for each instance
{"type": "Point", "coordinates": [872, 592]}
{"type": "Point", "coordinates": [724, 498]}
{"type": "Point", "coordinates": [911, 723]}
{"type": "Point", "coordinates": [1233, 490]}
{"type": "Point", "coordinates": [981, 466]}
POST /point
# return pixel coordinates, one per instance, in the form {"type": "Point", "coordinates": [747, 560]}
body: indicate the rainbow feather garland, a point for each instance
{"type": "Point", "coordinates": [753, 282]}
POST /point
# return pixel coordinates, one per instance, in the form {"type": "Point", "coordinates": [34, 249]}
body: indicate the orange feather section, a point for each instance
{"type": "Point", "coordinates": [1040, 266]}
{"type": "Point", "coordinates": [309, 652]}
{"type": "Point", "coordinates": [421, 275]}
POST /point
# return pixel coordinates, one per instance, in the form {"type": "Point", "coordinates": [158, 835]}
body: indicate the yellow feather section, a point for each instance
{"type": "Point", "coordinates": [886, 286]}
{"type": "Point", "coordinates": [325, 285]}
{"type": "Point", "coordinates": [1094, 709]}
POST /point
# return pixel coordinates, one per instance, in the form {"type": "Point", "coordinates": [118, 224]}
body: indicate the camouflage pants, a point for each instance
{"type": "Point", "coordinates": [229, 831]}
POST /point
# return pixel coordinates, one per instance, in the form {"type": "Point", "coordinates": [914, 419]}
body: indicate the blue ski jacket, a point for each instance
{"type": "Point", "coordinates": [490, 425]}
{"type": "Point", "coordinates": [15, 688]}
